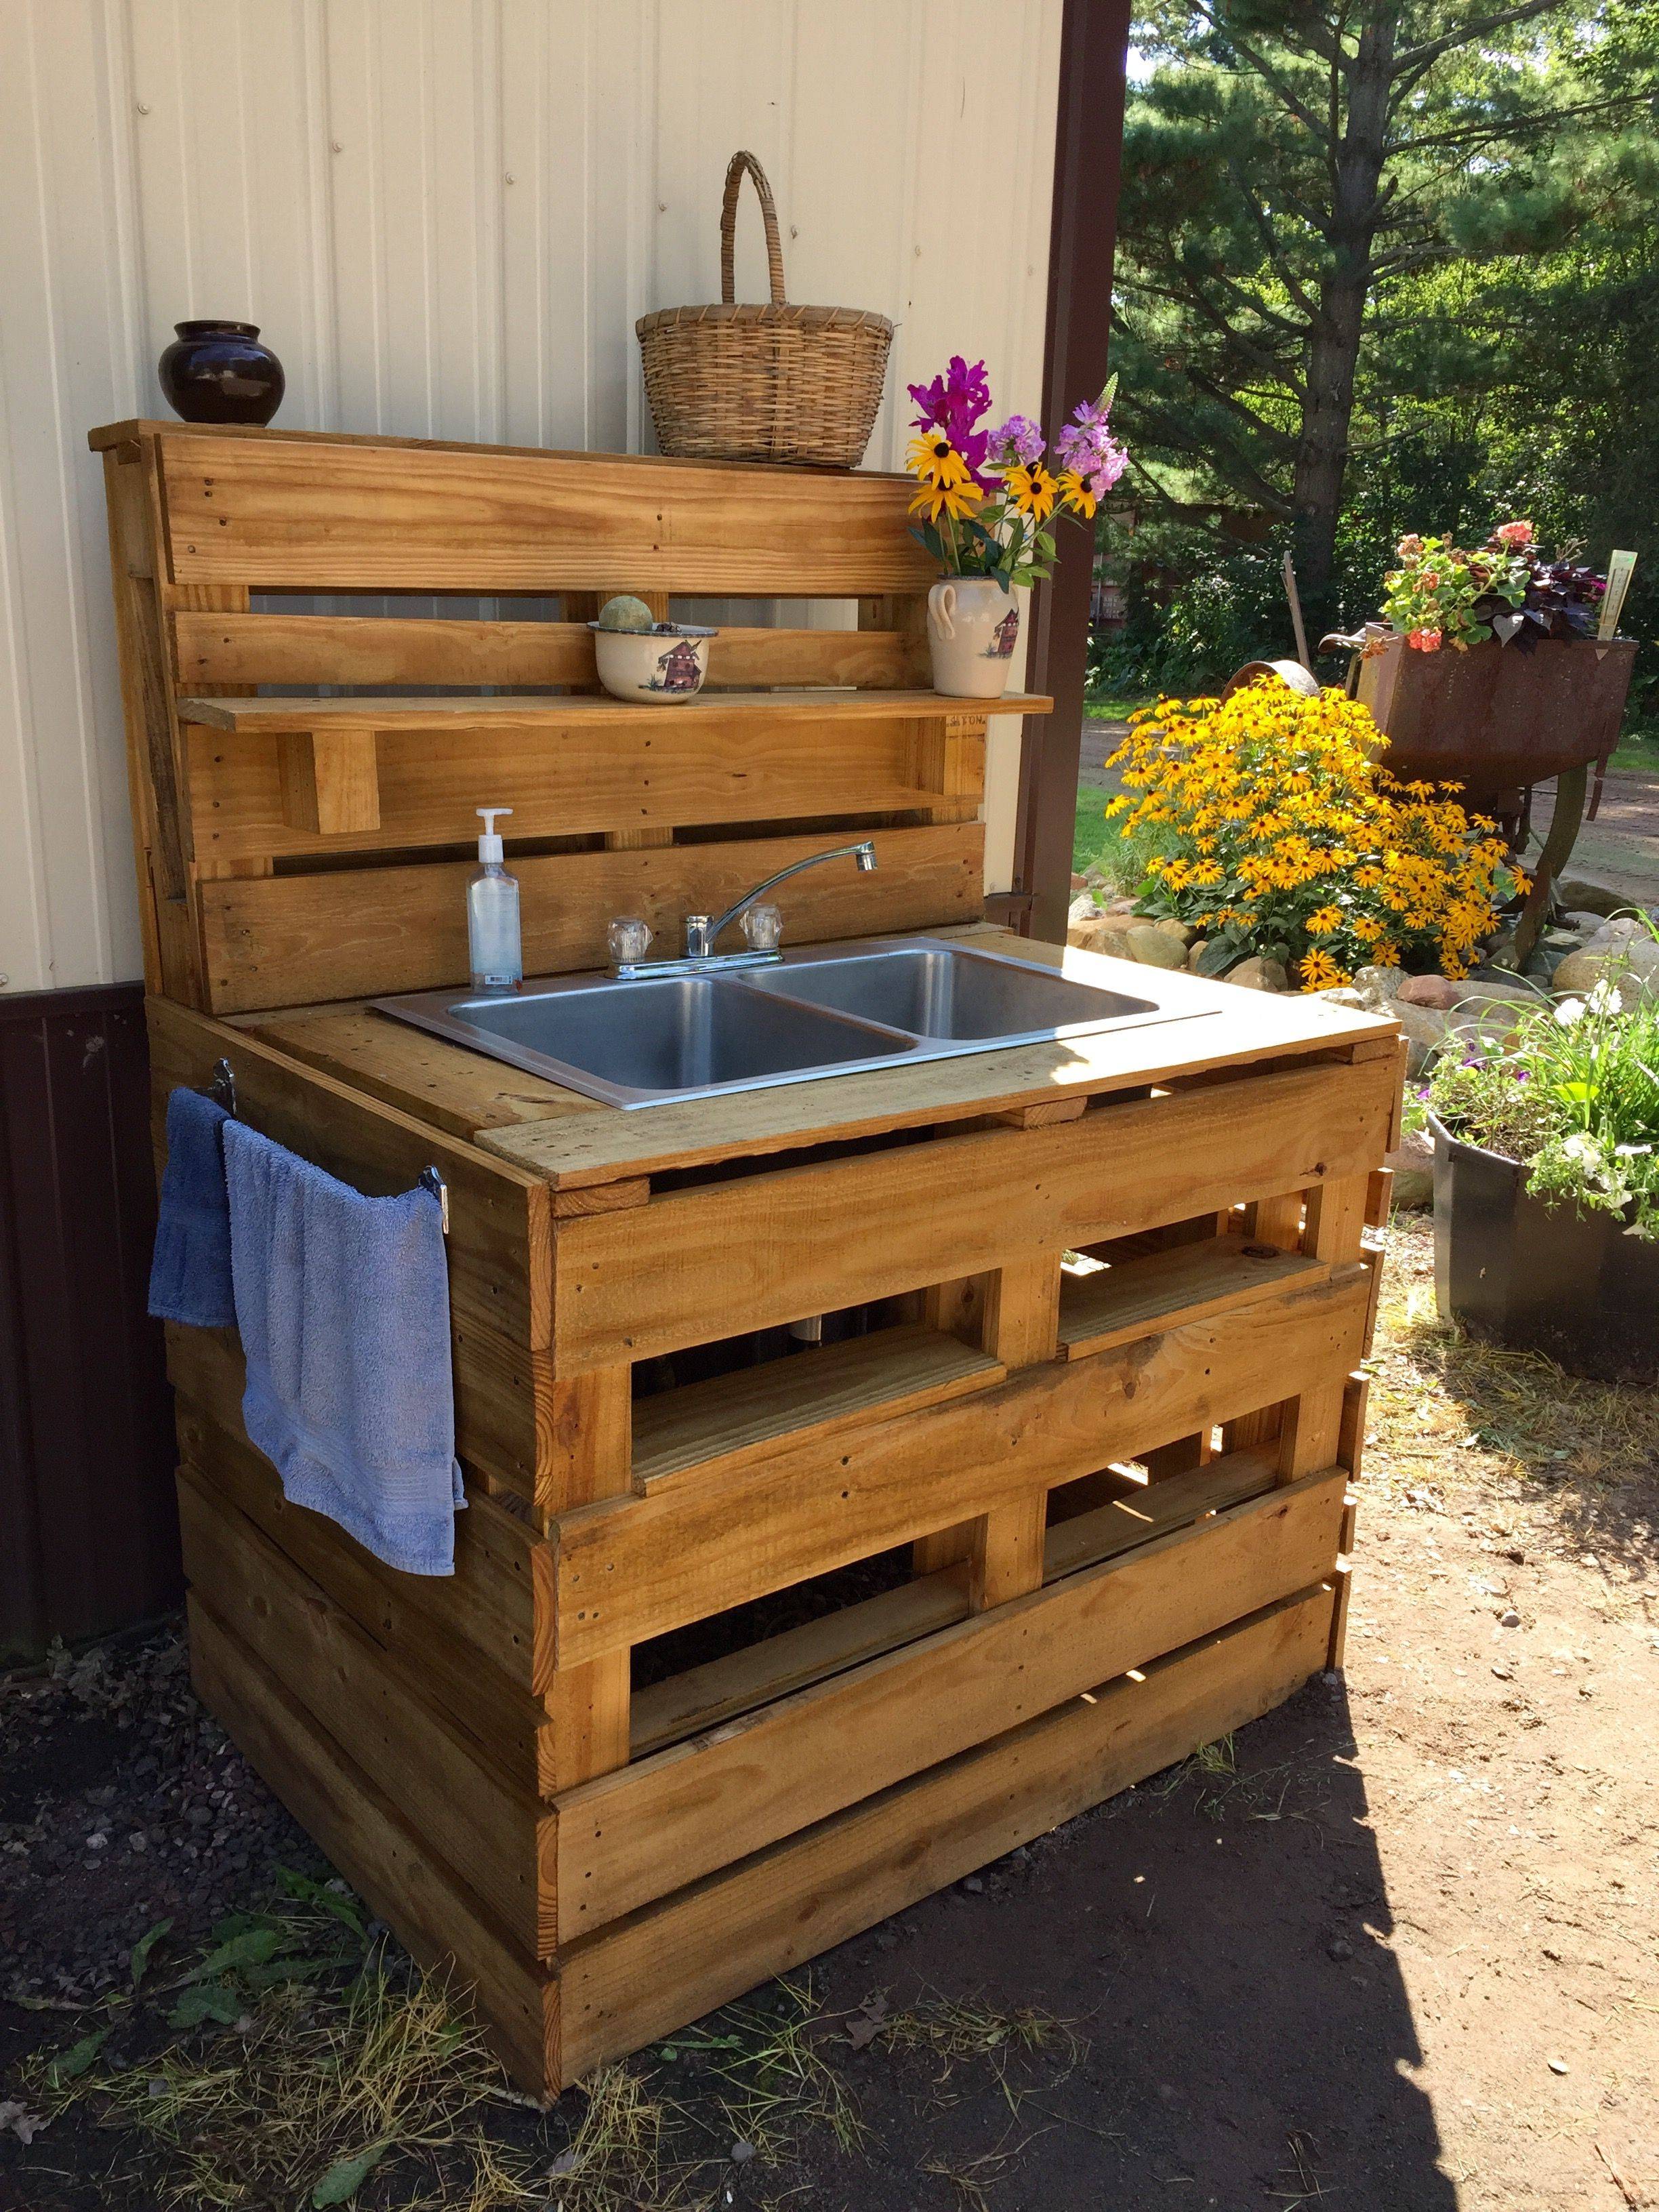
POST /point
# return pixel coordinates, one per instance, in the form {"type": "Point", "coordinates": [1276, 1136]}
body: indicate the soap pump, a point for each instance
{"type": "Point", "coordinates": [494, 944]}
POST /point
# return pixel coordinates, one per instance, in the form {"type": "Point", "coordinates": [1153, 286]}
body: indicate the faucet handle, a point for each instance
{"type": "Point", "coordinates": [629, 939]}
{"type": "Point", "coordinates": [763, 926]}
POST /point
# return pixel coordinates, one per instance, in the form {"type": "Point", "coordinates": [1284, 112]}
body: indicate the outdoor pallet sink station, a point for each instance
{"type": "Point", "coordinates": [905, 1388]}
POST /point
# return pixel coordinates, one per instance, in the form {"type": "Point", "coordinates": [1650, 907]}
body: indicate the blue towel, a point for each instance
{"type": "Point", "coordinates": [343, 1305]}
{"type": "Point", "coordinates": [190, 1273]}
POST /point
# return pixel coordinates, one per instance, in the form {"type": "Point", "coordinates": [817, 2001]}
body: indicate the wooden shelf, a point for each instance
{"type": "Point", "coordinates": [279, 717]}
{"type": "Point", "coordinates": [735, 1418]}
{"type": "Point", "coordinates": [1188, 1283]}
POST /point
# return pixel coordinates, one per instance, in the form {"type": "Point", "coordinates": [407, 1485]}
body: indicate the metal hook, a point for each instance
{"type": "Point", "coordinates": [222, 1087]}
{"type": "Point", "coordinates": [432, 1180]}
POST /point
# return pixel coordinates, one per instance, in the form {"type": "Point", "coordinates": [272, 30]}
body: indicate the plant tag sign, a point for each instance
{"type": "Point", "coordinates": [1621, 566]}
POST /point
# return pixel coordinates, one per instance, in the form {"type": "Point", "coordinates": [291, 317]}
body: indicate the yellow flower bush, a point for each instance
{"type": "Point", "coordinates": [1278, 833]}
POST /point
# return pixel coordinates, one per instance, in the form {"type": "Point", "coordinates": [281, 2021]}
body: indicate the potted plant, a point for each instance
{"type": "Point", "coordinates": [985, 500]}
{"type": "Point", "coordinates": [1546, 1182]}
{"type": "Point", "coordinates": [1486, 669]}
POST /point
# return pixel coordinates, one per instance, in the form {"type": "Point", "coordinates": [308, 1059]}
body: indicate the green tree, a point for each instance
{"type": "Point", "coordinates": [1296, 172]}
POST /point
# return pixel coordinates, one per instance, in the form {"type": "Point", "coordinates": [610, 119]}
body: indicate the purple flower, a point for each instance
{"type": "Point", "coordinates": [956, 403]}
{"type": "Point", "coordinates": [1016, 441]}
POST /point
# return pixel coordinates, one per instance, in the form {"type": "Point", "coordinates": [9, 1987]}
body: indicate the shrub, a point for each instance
{"type": "Point", "coordinates": [1286, 838]}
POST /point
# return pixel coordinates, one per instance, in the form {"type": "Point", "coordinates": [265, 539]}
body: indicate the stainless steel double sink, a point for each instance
{"type": "Point", "coordinates": [821, 1011]}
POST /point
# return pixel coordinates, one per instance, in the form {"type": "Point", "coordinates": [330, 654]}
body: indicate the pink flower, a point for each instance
{"type": "Point", "coordinates": [1425, 640]}
{"type": "Point", "coordinates": [1408, 547]}
{"type": "Point", "coordinates": [1513, 533]}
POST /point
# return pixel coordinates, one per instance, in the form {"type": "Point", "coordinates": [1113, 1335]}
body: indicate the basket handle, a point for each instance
{"type": "Point", "coordinates": [734, 174]}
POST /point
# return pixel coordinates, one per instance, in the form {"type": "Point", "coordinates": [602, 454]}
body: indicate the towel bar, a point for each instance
{"type": "Point", "coordinates": [432, 1180]}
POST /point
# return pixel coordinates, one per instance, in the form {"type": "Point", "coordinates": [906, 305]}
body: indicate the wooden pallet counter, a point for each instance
{"type": "Point", "coordinates": [748, 1644]}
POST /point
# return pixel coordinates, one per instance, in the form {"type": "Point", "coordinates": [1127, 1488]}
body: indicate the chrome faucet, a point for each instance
{"type": "Point", "coordinates": [630, 939]}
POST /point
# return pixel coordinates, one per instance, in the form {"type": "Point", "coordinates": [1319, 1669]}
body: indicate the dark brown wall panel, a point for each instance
{"type": "Point", "coordinates": [88, 1532]}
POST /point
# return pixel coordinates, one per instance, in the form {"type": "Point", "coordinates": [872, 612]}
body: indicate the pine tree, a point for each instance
{"type": "Point", "coordinates": [1295, 169]}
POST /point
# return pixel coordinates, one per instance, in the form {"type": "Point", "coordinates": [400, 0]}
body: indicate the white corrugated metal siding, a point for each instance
{"type": "Point", "coordinates": [446, 215]}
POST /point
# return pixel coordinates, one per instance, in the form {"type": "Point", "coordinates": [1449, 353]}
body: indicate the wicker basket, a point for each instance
{"type": "Point", "coordinates": [773, 383]}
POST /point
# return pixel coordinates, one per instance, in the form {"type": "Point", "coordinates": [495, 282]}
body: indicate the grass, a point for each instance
{"type": "Point", "coordinates": [1112, 707]}
{"type": "Point", "coordinates": [295, 2063]}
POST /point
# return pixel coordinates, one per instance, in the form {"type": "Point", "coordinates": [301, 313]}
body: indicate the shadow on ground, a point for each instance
{"type": "Point", "coordinates": [1218, 1936]}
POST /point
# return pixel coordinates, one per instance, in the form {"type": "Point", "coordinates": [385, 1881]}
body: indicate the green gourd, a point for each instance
{"type": "Point", "coordinates": [625, 613]}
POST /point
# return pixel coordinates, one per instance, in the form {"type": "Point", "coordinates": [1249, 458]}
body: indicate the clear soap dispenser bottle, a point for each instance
{"type": "Point", "coordinates": [494, 944]}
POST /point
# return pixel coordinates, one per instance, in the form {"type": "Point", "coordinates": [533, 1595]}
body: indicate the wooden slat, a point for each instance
{"type": "Point", "coordinates": [369, 1839]}
{"type": "Point", "coordinates": [426, 1076]}
{"type": "Point", "coordinates": [376, 1708]}
{"type": "Point", "coordinates": [335, 516]}
{"type": "Point", "coordinates": [499, 1245]}
{"type": "Point", "coordinates": [639, 1567]}
{"type": "Point", "coordinates": [813, 1239]}
{"type": "Point", "coordinates": [706, 1804]}
{"type": "Point", "coordinates": [1140, 1511]}
{"type": "Point", "coordinates": [737, 1419]}
{"type": "Point", "coordinates": [756, 1674]}
{"type": "Point", "coordinates": [1186, 1282]}
{"type": "Point", "coordinates": [1214, 1031]}
{"type": "Point", "coordinates": [276, 941]}
{"type": "Point", "coordinates": [638, 774]}
{"type": "Point", "coordinates": [472, 1636]}
{"type": "Point", "coordinates": [211, 651]}
{"type": "Point", "coordinates": [731, 1930]}
{"type": "Point", "coordinates": [528, 716]}
{"type": "Point", "coordinates": [721, 1689]}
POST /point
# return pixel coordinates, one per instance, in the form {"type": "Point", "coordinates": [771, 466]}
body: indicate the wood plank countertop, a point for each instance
{"type": "Point", "coordinates": [276, 716]}
{"type": "Point", "coordinates": [575, 1141]}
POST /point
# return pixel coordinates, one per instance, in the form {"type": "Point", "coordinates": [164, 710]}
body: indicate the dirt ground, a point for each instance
{"type": "Point", "coordinates": [1391, 1949]}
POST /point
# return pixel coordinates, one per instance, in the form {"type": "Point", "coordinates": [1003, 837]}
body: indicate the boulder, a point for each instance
{"type": "Point", "coordinates": [1196, 951]}
{"type": "Point", "coordinates": [1633, 966]}
{"type": "Point", "coordinates": [1105, 933]}
{"type": "Point", "coordinates": [1154, 947]}
{"type": "Point", "coordinates": [1082, 908]}
{"type": "Point", "coordinates": [1435, 991]}
{"type": "Point", "coordinates": [1183, 932]}
{"type": "Point", "coordinates": [1259, 973]}
{"type": "Point", "coordinates": [1412, 1162]}
{"type": "Point", "coordinates": [1344, 995]}
{"type": "Point", "coordinates": [1385, 980]}
{"type": "Point", "coordinates": [1584, 923]}
{"type": "Point", "coordinates": [1582, 971]}
{"type": "Point", "coordinates": [1078, 883]}
{"type": "Point", "coordinates": [1577, 891]}
{"type": "Point", "coordinates": [1120, 906]}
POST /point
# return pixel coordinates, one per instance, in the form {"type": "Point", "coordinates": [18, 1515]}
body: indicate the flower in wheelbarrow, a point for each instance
{"type": "Point", "coordinates": [1425, 640]}
{"type": "Point", "coordinates": [1513, 533]}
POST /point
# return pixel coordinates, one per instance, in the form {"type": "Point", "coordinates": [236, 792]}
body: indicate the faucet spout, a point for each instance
{"type": "Point", "coordinates": [701, 933]}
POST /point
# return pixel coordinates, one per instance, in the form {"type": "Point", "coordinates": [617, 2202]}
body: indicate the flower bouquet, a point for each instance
{"type": "Point", "coordinates": [984, 502]}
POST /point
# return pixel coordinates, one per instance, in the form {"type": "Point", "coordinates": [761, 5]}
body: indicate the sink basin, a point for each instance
{"type": "Point", "coordinates": [679, 1035]}
{"type": "Point", "coordinates": [823, 1011]}
{"type": "Point", "coordinates": [940, 991]}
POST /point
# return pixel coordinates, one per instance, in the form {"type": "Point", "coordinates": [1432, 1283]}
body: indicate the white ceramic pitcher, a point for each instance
{"type": "Point", "coordinates": [973, 627]}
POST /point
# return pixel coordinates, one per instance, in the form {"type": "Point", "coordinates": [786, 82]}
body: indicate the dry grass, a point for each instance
{"type": "Point", "coordinates": [1435, 1390]}
{"type": "Point", "coordinates": [305, 2092]}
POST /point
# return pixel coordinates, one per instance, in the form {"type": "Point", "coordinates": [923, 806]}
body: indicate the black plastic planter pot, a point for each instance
{"type": "Point", "coordinates": [1540, 1279]}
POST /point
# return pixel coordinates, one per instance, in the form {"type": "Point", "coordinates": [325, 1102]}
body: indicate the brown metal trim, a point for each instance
{"type": "Point", "coordinates": [88, 1535]}
{"type": "Point", "coordinates": [1088, 160]}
